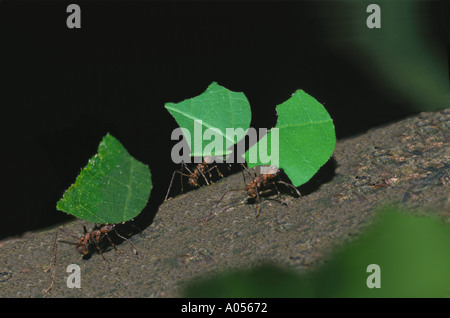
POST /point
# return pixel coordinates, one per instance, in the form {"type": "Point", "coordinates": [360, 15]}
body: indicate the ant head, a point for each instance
{"type": "Point", "coordinates": [106, 228]}
{"type": "Point", "coordinates": [193, 182]}
{"type": "Point", "coordinates": [83, 240]}
{"type": "Point", "coordinates": [82, 249]}
{"type": "Point", "coordinates": [251, 192]}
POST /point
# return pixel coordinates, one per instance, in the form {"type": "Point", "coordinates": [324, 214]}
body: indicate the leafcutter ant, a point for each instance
{"type": "Point", "coordinates": [87, 244]}
{"type": "Point", "coordinates": [202, 170]}
{"type": "Point", "coordinates": [260, 185]}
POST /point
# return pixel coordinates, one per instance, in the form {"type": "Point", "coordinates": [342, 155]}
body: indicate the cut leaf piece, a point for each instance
{"type": "Point", "coordinates": [306, 139]}
{"type": "Point", "coordinates": [217, 109]}
{"type": "Point", "coordinates": [113, 187]}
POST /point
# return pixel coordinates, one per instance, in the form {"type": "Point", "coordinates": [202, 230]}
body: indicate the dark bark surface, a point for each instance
{"type": "Point", "coordinates": [404, 163]}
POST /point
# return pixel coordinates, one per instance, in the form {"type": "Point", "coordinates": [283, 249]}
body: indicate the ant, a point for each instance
{"type": "Point", "coordinates": [193, 176]}
{"type": "Point", "coordinates": [260, 185]}
{"type": "Point", "coordinates": [85, 244]}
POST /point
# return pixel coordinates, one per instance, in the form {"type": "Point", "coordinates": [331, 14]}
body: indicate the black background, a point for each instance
{"type": "Point", "coordinates": [63, 89]}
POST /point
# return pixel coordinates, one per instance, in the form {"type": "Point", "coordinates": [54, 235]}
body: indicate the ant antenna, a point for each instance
{"type": "Point", "coordinates": [125, 239]}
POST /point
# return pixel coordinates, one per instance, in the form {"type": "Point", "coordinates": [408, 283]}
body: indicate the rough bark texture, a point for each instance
{"type": "Point", "coordinates": [405, 163]}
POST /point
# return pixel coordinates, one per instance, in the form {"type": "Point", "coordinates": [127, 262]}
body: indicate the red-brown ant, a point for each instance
{"type": "Point", "coordinates": [86, 243]}
{"type": "Point", "coordinates": [259, 185]}
{"type": "Point", "coordinates": [193, 176]}
{"type": "Point", "coordinates": [94, 238]}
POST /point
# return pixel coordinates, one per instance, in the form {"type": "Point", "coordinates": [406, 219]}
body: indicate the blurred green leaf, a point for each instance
{"type": "Point", "coordinates": [113, 187]}
{"type": "Point", "coordinates": [412, 253]}
{"type": "Point", "coordinates": [265, 281]}
{"type": "Point", "coordinates": [218, 108]}
{"type": "Point", "coordinates": [306, 138]}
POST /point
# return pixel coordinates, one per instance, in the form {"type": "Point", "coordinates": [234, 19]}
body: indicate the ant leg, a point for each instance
{"type": "Point", "coordinates": [183, 165]}
{"type": "Point", "coordinates": [203, 175]}
{"type": "Point", "coordinates": [113, 245]}
{"type": "Point", "coordinates": [192, 174]}
{"type": "Point", "coordinates": [290, 186]}
{"type": "Point", "coordinates": [279, 196]}
{"type": "Point", "coordinates": [99, 249]}
{"type": "Point", "coordinates": [248, 170]}
{"type": "Point", "coordinates": [129, 242]}
{"type": "Point", "coordinates": [217, 170]}
{"type": "Point", "coordinates": [181, 172]}
{"type": "Point", "coordinates": [70, 234]}
{"type": "Point", "coordinates": [243, 174]}
{"type": "Point", "coordinates": [259, 202]}
{"type": "Point", "coordinates": [56, 244]}
{"type": "Point", "coordinates": [171, 181]}
{"type": "Point", "coordinates": [170, 186]}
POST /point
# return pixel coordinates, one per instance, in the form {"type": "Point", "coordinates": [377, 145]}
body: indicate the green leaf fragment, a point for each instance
{"type": "Point", "coordinates": [218, 109]}
{"type": "Point", "coordinates": [113, 187]}
{"type": "Point", "coordinates": [306, 138]}
{"type": "Point", "coordinates": [412, 254]}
